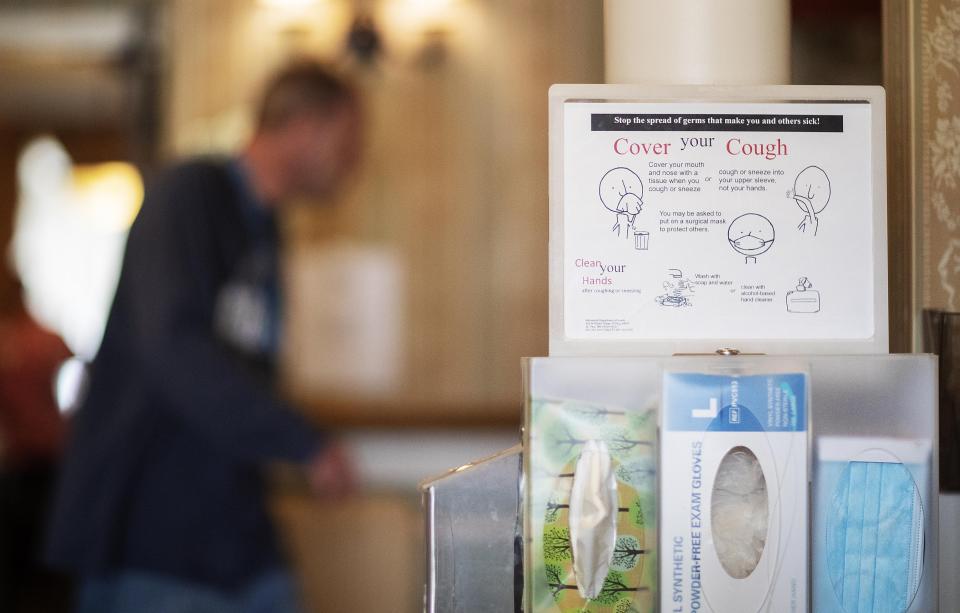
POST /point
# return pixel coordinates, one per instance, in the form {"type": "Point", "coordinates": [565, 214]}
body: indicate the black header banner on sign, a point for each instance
{"type": "Point", "coordinates": [719, 122]}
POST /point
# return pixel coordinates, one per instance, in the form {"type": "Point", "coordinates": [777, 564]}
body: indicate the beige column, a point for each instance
{"type": "Point", "coordinates": [736, 42]}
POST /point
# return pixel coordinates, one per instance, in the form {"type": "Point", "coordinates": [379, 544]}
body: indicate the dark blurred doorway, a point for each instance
{"type": "Point", "coordinates": [84, 75]}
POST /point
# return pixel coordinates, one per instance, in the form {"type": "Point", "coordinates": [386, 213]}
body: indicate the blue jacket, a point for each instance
{"type": "Point", "coordinates": [163, 466]}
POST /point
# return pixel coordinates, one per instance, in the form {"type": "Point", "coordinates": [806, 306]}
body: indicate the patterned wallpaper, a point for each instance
{"type": "Point", "coordinates": [938, 153]}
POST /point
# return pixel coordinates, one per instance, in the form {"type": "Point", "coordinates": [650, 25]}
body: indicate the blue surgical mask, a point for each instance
{"type": "Point", "coordinates": [874, 539]}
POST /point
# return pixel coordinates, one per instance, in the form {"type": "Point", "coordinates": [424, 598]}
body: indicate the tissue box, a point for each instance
{"type": "Point", "coordinates": [589, 505]}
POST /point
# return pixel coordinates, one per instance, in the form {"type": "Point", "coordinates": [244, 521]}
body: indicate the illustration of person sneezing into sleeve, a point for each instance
{"type": "Point", "coordinates": [811, 191]}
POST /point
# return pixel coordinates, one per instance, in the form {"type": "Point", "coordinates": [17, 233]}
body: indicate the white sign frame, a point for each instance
{"type": "Point", "coordinates": [874, 96]}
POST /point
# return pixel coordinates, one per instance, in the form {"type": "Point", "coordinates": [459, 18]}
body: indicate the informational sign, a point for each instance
{"type": "Point", "coordinates": [717, 220]}
{"type": "Point", "coordinates": [344, 330]}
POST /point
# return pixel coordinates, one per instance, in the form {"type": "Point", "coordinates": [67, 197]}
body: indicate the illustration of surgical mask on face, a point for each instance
{"type": "Point", "coordinates": [874, 538]}
{"type": "Point", "coordinates": [750, 243]}
{"type": "Point", "coordinates": [751, 235]}
{"type": "Point", "coordinates": [811, 192]}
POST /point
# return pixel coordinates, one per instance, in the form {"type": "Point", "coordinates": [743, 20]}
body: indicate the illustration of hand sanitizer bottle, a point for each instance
{"type": "Point", "coordinates": [804, 299]}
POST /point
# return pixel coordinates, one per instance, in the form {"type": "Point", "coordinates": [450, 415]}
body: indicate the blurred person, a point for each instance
{"type": "Point", "coordinates": [31, 441]}
{"type": "Point", "coordinates": [161, 504]}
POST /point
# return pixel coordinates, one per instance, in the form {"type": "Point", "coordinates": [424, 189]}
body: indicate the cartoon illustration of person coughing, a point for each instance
{"type": "Point", "coordinates": [621, 192]}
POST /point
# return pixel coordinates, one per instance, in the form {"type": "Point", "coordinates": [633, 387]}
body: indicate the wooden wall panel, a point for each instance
{"type": "Point", "coordinates": [898, 78]}
{"type": "Point", "coordinates": [359, 554]}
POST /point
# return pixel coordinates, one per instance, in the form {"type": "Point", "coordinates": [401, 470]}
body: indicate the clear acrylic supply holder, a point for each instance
{"type": "Point", "coordinates": [604, 381]}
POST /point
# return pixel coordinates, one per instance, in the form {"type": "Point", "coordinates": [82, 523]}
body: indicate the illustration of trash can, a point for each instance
{"type": "Point", "coordinates": [641, 240]}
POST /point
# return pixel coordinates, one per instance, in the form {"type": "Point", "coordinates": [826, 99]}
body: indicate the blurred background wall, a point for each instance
{"type": "Point", "coordinates": [440, 241]}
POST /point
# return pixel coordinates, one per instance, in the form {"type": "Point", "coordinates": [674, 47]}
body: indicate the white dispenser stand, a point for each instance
{"type": "Point", "coordinates": [814, 288]}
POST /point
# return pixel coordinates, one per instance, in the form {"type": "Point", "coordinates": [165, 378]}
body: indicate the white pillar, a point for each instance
{"type": "Point", "coordinates": [734, 42]}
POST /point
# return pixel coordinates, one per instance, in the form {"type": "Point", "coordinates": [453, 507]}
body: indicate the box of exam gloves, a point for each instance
{"type": "Point", "coordinates": [734, 491]}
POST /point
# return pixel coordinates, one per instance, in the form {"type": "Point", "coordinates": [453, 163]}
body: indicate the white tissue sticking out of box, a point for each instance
{"type": "Point", "coordinates": [739, 512]}
{"type": "Point", "coordinates": [593, 517]}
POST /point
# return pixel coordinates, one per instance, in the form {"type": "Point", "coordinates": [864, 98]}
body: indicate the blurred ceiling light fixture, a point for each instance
{"type": "Point", "coordinates": [300, 23]}
{"type": "Point", "coordinates": [108, 194]}
{"type": "Point", "coordinates": [427, 23]}
{"type": "Point", "coordinates": [288, 4]}
{"type": "Point", "coordinates": [421, 26]}
{"type": "Point", "coordinates": [428, 12]}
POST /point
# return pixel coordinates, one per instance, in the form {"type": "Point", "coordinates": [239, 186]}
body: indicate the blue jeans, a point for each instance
{"type": "Point", "coordinates": [140, 592]}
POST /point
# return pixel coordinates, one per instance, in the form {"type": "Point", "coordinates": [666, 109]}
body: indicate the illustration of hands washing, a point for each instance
{"type": "Point", "coordinates": [678, 290]}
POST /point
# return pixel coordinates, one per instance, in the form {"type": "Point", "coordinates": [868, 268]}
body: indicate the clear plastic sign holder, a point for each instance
{"type": "Point", "coordinates": [683, 219]}
{"type": "Point", "coordinates": [473, 532]}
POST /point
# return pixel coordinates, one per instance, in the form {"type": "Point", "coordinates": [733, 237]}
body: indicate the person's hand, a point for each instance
{"type": "Point", "coordinates": [330, 472]}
